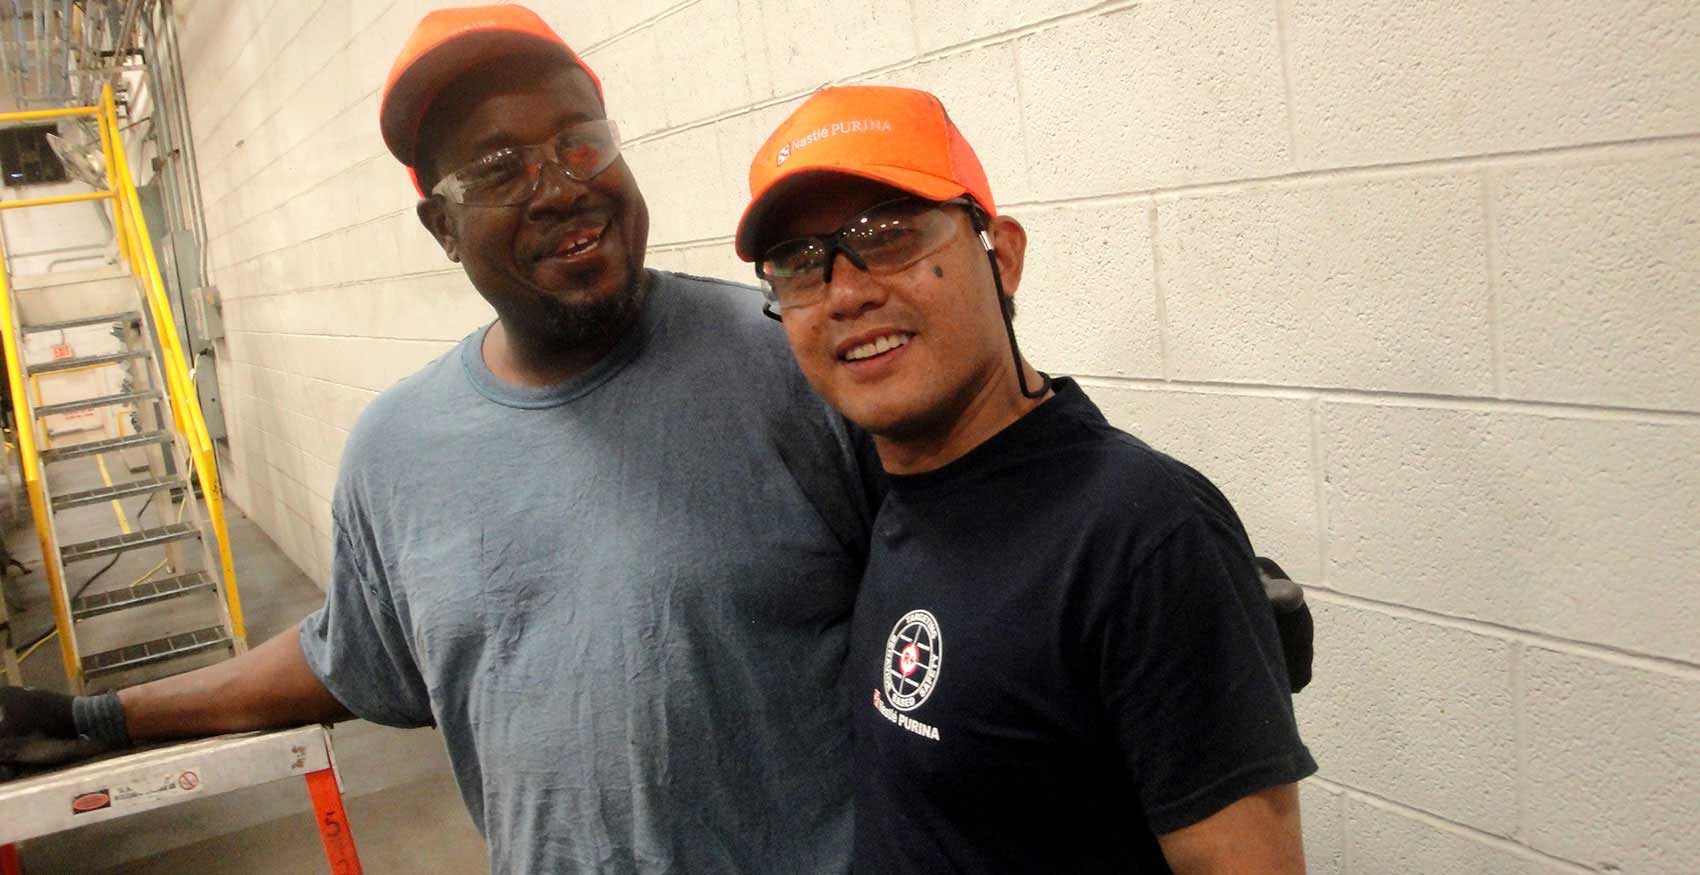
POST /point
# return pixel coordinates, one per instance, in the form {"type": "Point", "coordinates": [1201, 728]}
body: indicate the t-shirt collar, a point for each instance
{"type": "Point", "coordinates": [1039, 429]}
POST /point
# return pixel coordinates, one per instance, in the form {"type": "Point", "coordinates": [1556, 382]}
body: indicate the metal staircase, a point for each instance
{"type": "Point", "coordinates": [9, 672]}
{"type": "Point", "coordinates": [114, 332]}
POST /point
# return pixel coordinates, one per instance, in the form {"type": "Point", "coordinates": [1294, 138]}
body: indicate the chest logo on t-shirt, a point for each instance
{"type": "Point", "coordinates": [913, 655]}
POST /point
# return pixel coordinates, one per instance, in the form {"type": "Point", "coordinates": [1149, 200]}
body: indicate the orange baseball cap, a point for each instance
{"type": "Point", "coordinates": [447, 43]}
{"type": "Point", "coordinates": [899, 136]}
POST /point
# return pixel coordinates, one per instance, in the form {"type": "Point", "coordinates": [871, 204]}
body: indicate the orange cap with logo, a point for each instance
{"type": "Point", "coordinates": [445, 45]}
{"type": "Point", "coordinates": [898, 136]}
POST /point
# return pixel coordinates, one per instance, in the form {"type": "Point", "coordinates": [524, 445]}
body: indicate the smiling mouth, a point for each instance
{"type": "Point", "coordinates": [578, 241]}
{"type": "Point", "coordinates": [876, 347]}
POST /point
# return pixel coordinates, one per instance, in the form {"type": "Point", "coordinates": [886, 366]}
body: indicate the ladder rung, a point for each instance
{"type": "Point", "coordinates": [110, 445]}
{"type": "Point", "coordinates": [91, 403]}
{"type": "Point", "coordinates": [79, 322]}
{"type": "Point", "coordinates": [157, 650]}
{"type": "Point", "coordinates": [87, 360]}
{"type": "Point", "coordinates": [148, 593]}
{"type": "Point", "coordinates": [116, 490]}
{"type": "Point", "coordinates": [117, 543]}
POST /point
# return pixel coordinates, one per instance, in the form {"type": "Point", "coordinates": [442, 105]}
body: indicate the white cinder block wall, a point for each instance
{"type": "Point", "coordinates": [1417, 282]}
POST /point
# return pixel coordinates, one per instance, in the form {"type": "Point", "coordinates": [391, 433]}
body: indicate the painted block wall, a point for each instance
{"type": "Point", "coordinates": [1417, 282]}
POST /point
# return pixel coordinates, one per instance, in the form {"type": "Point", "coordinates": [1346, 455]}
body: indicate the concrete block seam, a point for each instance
{"type": "Point", "coordinates": [1157, 289]}
{"type": "Point", "coordinates": [1102, 10]}
{"type": "Point", "coordinates": [1319, 471]}
{"type": "Point", "coordinates": [1021, 111]}
{"type": "Point", "coordinates": [1520, 732]}
{"type": "Point", "coordinates": [316, 335]}
{"type": "Point", "coordinates": [232, 102]}
{"type": "Point", "coordinates": [263, 214]}
{"type": "Point", "coordinates": [320, 287]}
{"type": "Point", "coordinates": [263, 399]}
{"type": "Point", "coordinates": [1283, 14]}
{"type": "Point", "coordinates": [337, 121]}
{"type": "Point", "coordinates": [1490, 188]}
{"type": "Point", "coordinates": [1454, 166]}
{"type": "Point", "coordinates": [919, 59]}
{"type": "Point", "coordinates": [630, 30]}
{"type": "Point", "coordinates": [1430, 401]}
{"type": "Point", "coordinates": [1442, 824]}
{"type": "Point", "coordinates": [1605, 653]}
{"type": "Point", "coordinates": [914, 29]}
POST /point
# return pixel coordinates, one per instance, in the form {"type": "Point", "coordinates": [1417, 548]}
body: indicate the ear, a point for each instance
{"type": "Point", "coordinates": [1009, 247]}
{"type": "Point", "coordinates": [433, 214]}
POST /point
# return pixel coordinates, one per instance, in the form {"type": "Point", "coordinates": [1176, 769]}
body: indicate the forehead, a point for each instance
{"type": "Point", "coordinates": [819, 203]}
{"type": "Point", "coordinates": [516, 101]}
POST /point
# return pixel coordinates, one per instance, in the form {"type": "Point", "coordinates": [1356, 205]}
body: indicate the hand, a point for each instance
{"type": "Point", "coordinates": [1292, 620]}
{"type": "Point", "coordinates": [39, 729]}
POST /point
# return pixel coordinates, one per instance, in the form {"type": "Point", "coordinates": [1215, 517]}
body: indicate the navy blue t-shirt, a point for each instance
{"type": "Point", "coordinates": [1061, 650]}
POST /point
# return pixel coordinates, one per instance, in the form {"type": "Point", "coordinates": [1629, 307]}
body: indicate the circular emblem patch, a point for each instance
{"type": "Point", "coordinates": [913, 655]}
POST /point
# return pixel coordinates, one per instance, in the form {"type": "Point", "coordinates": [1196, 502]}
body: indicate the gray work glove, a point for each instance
{"type": "Point", "coordinates": [1292, 620]}
{"type": "Point", "coordinates": [41, 729]}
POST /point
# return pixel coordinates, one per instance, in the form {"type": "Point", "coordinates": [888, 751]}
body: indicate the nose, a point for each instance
{"type": "Point", "coordinates": [853, 291]}
{"type": "Point", "coordinates": [557, 193]}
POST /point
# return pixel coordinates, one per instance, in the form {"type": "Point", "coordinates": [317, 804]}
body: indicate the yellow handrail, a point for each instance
{"type": "Point", "coordinates": [56, 199]}
{"type": "Point", "coordinates": [31, 463]}
{"type": "Point", "coordinates": [185, 410]}
{"type": "Point", "coordinates": [36, 115]}
{"type": "Point", "coordinates": [109, 139]}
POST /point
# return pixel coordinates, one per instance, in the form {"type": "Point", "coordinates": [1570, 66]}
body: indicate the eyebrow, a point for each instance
{"type": "Point", "coordinates": [500, 138]}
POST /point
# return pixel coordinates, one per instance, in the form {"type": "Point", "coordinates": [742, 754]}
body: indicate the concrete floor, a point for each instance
{"type": "Point", "coordinates": [404, 808]}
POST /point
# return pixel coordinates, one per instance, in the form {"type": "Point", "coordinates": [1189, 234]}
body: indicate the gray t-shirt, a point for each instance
{"type": "Point", "coordinates": [624, 599]}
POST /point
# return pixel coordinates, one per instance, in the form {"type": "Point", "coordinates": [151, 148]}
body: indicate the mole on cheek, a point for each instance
{"type": "Point", "coordinates": [938, 271]}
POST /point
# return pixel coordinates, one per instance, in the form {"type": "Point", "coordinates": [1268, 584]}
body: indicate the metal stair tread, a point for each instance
{"type": "Point", "coordinates": [147, 593]}
{"type": "Point", "coordinates": [139, 538]}
{"type": "Point", "coordinates": [86, 361]}
{"type": "Point", "coordinates": [77, 451]}
{"type": "Point", "coordinates": [116, 490]}
{"type": "Point", "coordinates": [157, 650]}
{"type": "Point", "coordinates": [90, 403]}
{"type": "Point", "coordinates": [127, 316]}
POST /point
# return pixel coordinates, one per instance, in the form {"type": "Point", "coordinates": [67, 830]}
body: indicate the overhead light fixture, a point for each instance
{"type": "Point", "coordinates": [83, 162]}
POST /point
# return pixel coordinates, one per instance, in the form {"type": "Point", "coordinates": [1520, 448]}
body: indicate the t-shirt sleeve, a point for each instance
{"type": "Point", "coordinates": [356, 644]}
{"type": "Point", "coordinates": [1194, 686]}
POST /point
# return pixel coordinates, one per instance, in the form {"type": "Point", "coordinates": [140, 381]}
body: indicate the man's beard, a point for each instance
{"type": "Point", "coordinates": [563, 325]}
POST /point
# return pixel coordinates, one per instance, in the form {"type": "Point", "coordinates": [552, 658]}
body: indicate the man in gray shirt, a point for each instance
{"type": "Point", "coordinates": [608, 545]}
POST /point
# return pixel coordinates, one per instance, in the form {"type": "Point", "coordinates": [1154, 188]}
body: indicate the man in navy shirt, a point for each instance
{"type": "Point", "coordinates": [1061, 658]}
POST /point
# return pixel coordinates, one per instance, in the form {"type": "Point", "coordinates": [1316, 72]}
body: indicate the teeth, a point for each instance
{"type": "Point", "coordinates": [583, 244]}
{"type": "Point", "coordinates": [875, 347]}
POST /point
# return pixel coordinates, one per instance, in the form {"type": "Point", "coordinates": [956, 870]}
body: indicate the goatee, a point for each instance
{"type": "Point", "coordinates": [572, 324]}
